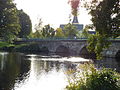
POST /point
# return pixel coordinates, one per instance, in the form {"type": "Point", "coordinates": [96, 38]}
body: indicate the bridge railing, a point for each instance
{"type": "Point", "coordinates": [48, 39]}
{"type": "Point", "coordinates": [57, 39]}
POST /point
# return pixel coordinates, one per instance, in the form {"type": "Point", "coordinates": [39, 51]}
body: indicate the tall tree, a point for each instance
{"type": "Point", "coordinates": [48, 31]}
{"type": "Point", "coordinates": [9, 21]}
{"type": "Point", "coordinates": [38, 29]}
{"type": "Point", "coordinates": [106, 21]}
{"type": "Point", "coordinates": [59, 33]}
{"type": "Point", "coordinates": [37, 34]}
{"type": "Point", "coordinates": [25, 23]}
{"type": "Point", "coordinates": [38, 26]}
{"type": "Point", "coordinates": [70, 31]}
{"type": "Point", "coordinates": [43, 32]}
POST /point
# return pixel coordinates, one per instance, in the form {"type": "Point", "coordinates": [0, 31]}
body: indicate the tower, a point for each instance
{"type": "Point", "coordinates": [75, 20]}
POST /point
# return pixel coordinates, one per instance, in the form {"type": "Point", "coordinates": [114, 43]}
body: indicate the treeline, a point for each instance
{"type": "Point", "coordinates": [14, 23]}
{"type": "Point", "coordinates": [48, 32]}
{"type": "Point", "coordinates": [69, 31]}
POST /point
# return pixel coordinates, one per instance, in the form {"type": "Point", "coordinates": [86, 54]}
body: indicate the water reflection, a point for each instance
{"type": "Point", "coordinates": [108, 63]}
{"type": "Point", "coordinates": [11, 68]}
{"type": "Point", "coordinates": [43, 78]}
{"type": "Point", "coordinates": [3, 58]}
{"type": "Point", "coordinates": [47, 74]}
{"type": "Point", "coordinates": [39, 72]}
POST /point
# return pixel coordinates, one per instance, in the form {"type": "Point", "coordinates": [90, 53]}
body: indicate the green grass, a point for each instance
{"type": "Point", "coordinates": [5, 44]}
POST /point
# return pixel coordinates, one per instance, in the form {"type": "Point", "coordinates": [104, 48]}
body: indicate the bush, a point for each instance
{"type": "Point", "coordinates": [92, 79]}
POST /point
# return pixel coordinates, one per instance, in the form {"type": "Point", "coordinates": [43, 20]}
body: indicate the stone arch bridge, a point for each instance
{"type": "Point", "coordinates": [76, 47]}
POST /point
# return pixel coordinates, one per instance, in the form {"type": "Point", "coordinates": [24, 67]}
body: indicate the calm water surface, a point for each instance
{"type": "Point", "coordinates": [40, 72]}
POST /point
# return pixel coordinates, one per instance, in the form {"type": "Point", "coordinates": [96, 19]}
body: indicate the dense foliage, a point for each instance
{"type": "Point", "coordinates": [59, 33]}
{"type": "Point", "coordinates": [91, 79]}
{"type": "Point", "coordinates": [9, 21]}
{"type": "Point", "coordinates": [70, 31]}
{"type": "Point", "coordinates": [106, 22]}
{"type": "Point", "coordinates": [43, 32]}
{"type": "Point", "coordinates": [25, 23]}
{"type": "Point", "coordinates": [48, 31]}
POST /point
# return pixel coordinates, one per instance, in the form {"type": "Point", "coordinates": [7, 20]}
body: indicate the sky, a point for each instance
{"type": "Point", "coordinates": [53, 12]}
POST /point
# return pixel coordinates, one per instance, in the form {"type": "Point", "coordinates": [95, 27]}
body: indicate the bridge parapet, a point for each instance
{"type": "Point", "coordinates": [72, 46]}
{"type": "Point", "coordinates": [113, 49]}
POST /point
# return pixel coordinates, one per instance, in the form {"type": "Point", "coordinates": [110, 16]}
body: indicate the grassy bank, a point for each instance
{"type": "Point", "coordinates": [24, 48]}
{"type": "Point", "coordinates": [4, 46]}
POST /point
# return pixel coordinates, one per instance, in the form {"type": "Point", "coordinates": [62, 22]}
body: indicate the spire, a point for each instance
{"type": "Point", "coordinates": [75, 20]}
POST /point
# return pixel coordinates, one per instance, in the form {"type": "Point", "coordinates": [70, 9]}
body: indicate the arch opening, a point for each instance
{"type": "Point", "coordinates": [44, 50]}
{"type": "Point", "coordinates": [117, 56]}
{"type": "Point", "coordinates": [84, 53]}
{"type": "Point", "coordinates": [62, 51]}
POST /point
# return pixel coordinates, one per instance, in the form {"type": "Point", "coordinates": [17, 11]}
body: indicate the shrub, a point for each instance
{"type": "Point", "coordinates": [93, 79]}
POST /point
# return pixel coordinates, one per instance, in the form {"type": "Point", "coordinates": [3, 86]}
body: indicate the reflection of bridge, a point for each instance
{"type": "Point", "coordinates": [73, 46]}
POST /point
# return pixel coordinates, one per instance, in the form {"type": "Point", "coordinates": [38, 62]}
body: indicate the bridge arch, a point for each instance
{"type": "Point", "coordinates": [86, 54]}
{"type": "Point", "coordinates": [44, 49]}
{"type": "Point", "coordinates": [62, 50]}
{"type": "Point", "coordinates": [117, 56]}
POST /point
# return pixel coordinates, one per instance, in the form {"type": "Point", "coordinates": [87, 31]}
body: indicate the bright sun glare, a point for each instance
{"type": "Point", "coordinates": [53, 12]}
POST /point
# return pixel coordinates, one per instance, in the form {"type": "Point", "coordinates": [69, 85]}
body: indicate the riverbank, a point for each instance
{"type": "Point", "coordinates": [24, 48]}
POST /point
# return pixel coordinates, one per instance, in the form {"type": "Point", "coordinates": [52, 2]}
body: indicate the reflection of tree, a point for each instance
{"type": "Point", "coordinates": [41, 67]}
{"type": "Point", "coordinates": [13, 67]}
{"type": "Point", "coordinates": [108, 63]}
{"type": "Point", "coordinates": [2, 60]}
{"type": "Point", "coordinates": [70, 66]}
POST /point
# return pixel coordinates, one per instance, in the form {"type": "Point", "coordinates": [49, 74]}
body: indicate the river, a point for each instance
{"type": "Point", "coordinates": [20, 71]}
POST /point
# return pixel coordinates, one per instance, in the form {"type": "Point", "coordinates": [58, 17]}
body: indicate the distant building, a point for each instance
{"type": "Point", "coordinates": [91, 32]}
{"type": "Point", "coordinates": [75, 23]}
{"type": "Point", "coordinates": [78, 26]}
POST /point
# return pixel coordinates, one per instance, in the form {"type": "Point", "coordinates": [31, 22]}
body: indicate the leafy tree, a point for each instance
{"type": "Point", "coordinates": [38, 30]}
{"type": "Point", "coordinates": [48, 31]}
{"type": "Point", "coordinates": [25, 23]}
{"type": "Point", "coordinates": [59, 33]}
{"type": "Point", "coordinates": [84, 33]}
{"type": "Point", "coordinates": [70, 31]}
{"type": "Point", "coordinates": [106, 21]}
{"type": "Point", "coordinates": [9, 21]}
{"type": "Point", "coordinates": [38, 26]}
{"type": "Point", "coordinates": [43, 32]}
{"type": "Point", "coordinates": [36, 34]}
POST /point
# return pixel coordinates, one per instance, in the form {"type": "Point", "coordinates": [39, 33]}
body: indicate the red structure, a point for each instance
{"type": "Point", "coordinates": [75, 6]}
